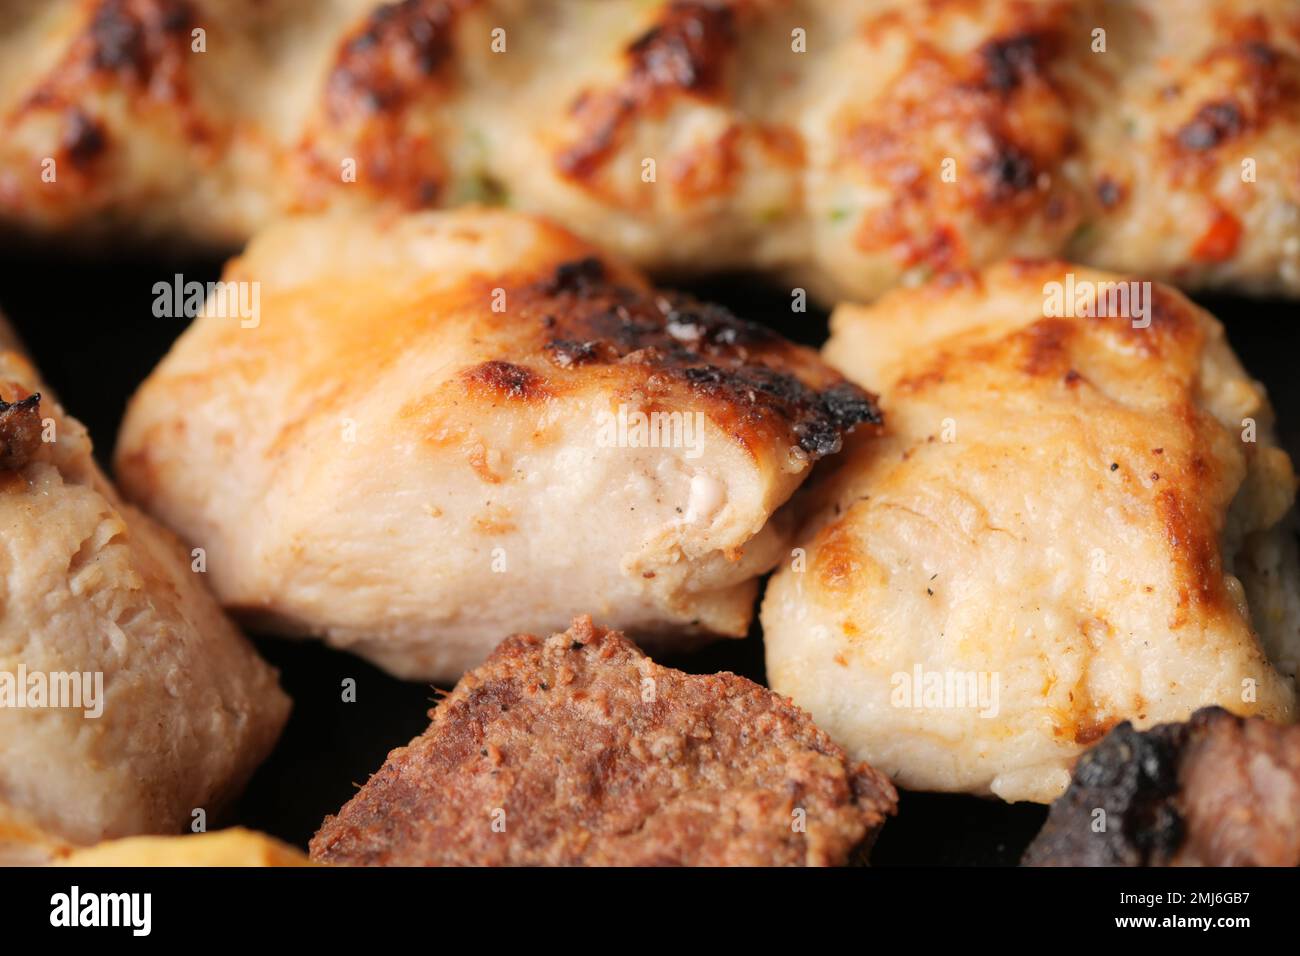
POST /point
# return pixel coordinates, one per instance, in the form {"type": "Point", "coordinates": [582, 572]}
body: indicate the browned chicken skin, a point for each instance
{"type": "Point", "coordinates": [448, 426]}
{"type": "Point", "coordinates": [1067, 521]}
{"type": "Point", "coordinates": [850, 145]}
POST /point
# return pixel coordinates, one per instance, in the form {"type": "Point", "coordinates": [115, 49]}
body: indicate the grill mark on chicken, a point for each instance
{"type": "Point", "coordinates": [140, 44]}
{"type": "Point", "coordinates": [741, 368]}
{"type": "Point", "coordinates": [381, 95]}
{"type": "Point", "coordinates": [1010, 61]}
{"type": "Point", "coordinates": [1214, 123]}
{"type": "Point", "coordinates": [686, 50]}
{"type": "Point", "coordinates": [400, 47]}
{"type": "Point", "coordinates": [84, 137]}
{"type": "Point", "coordinates": [837, 560]}
{"type": "Point", "coordinates": [685, 53]}
{"type": "Point", "coordinates": [412, 91]}
{"type": "Point", "coordinates": [1044, 346]}
{"type": "Point", "coordinates": [576, 276]}
{"type": "Point", "coordinates": [1261, 91]}
{"type": "Point", "coordinates": [137, 47]}
{"type": "Point", "coordinates": [1089, 733]}
{"type": "Point", "coordinates": [1007, 170]}
{"type": "Point", "coordinates": [20, 431]}
{"type": "Point", "coordinates": [495, 351]}
{"type": "Point", "coordinates": [997, 177]}
{"type": "Point", "coordinates": [567, 353]}
{"type": "Point", "coordinates": [1110, 193]}
{"type": "Point", "coordinates": [129, 37]}
{"type": "Point", "coordinates": [1192, 536]}
{"type": "Point", "coordinates": [118, 39]}
{"type": "Point", "coordinates": [507, 380]}
{"type": "Point", "coordinates": [1217, 790]}
{"type": "Point", "coordinates": [1047, 347]}
{"type": "Point", "coordinates": [560, 735]}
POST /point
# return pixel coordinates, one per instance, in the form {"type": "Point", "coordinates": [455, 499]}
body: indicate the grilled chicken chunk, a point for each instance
{"type": "Point", "coordinates": [1157, 136]}
{"type": "Point", "coordinates": [127, 699]}
{"type": "Point", "coordinates": [1218, 790]}
{"type": "Point", "coordinates": [448, 426]}
{"type": "Point", "coordinates": [580, 750]}
{"type": "Point", "coordinates": [1069, 522]}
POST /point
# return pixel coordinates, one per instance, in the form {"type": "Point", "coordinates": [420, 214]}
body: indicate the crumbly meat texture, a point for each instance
{"type": "Point", "coordinates": [580, 750]}
{"type": "Point", "coordinates": [1067, 522]}
{"type": "Point", "coordinates": [90, 586]}
{"type": "Point", "coordinates": [1156, 136]}
{"type": "Point", "coordinates": [447, 427]}
{"type": "Point", "coordinates": [1218, 790]}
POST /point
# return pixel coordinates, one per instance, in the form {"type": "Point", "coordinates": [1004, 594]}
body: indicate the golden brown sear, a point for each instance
{"type": "Point", "coordinates": [851, 144]}
{"type": "Point", "coordinates": [444, 427]}
{"type": "Point", "coordinates": [1072, 517]}
{"type": "Point", "coordinates": [580, 750]}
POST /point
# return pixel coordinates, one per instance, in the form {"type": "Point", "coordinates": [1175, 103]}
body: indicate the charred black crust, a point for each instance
{"type": "Point", "coordinates": [1007, 63]}
{"type": "Point", "coordinates": [84, 137]}
{"type": "Point", "coordinates": [586, 318]}
{"type": "Point", "coordinates": [398, 47]}
{"type": "Point", "coordinates": [1109, 192]}
{"type": "Point", "coordinates": [392, 68]}
{"type": "Point", "coordinates": [118, 38]}
{"type": "Point", "coordinates": [1134, 777]}
{"type": "Point", "coordinates": [1261, 91]}
{"type": "Point", "coordinates": [120, 33]}
{"type": "Point", "coordinates": [576, 276]}
{"type": "Point", "coordinates": [849, 406]}
{"type": "Point", "coordinates": [1260, 53]}
{"type": "Point", "coordinates": [138, 46]}
{"type": "Point", "coordinates": [685, 52]}
{"type": "Point", "coordinates": [20, 431]}
{"type": "Point", "coordinates": [1007, 171]}
{"type": "Point", "coordinates": [1214, 123]}
{"type": "Point", "coordinates": [680, 50]}
{"type": "Point", "coordinates": [819, 419]}
{"type": "Point", "coordinates": [567, 353]}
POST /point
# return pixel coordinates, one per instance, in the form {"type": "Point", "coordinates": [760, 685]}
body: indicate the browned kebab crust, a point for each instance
{"type": "Point", "coordinates": [20, 430]}
{"type": "Point", "coordinates": [836, 163]}
{"type": "Point", "coordinates": [583, 751]}
{"type": "Point", "coordinates": [1218, 790]}
{"type": "Point", "coordinates": [758, 385]}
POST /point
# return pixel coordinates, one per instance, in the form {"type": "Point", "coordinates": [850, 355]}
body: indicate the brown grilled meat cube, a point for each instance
{"type": "Point", "coordinates": [579, 749]}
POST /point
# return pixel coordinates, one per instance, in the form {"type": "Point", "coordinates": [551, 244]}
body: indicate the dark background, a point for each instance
{"type": "Point", "coordinates": [90, 327]}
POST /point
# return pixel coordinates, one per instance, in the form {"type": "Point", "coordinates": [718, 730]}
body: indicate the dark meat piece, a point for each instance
{"type": "Point", "coordinates": [20, 431]}
{"type": "Point", "coordinates": [1218, 790]}
{"type": "Point", "coordinates": [580, 750]}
